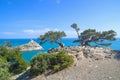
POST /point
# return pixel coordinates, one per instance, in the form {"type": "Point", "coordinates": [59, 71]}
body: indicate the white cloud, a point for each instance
{"type": "Point", "coordinates": [118, 35]}
{"type": "Point", "coordinates": [37, 32]}
{"type": "Point", "coordinates": [71, 34]}
{"type": "Point", "coordinates": [29, 31]}
{"type": "Point", "coordinates": [8, 33]}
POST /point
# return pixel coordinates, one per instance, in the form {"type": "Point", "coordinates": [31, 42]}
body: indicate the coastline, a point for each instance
{"type": "Point", "coordinates": [27, 55]}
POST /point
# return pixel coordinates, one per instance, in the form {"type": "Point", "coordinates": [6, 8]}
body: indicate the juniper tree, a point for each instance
{"type": "Point", "coordinates": [53, 37]}
{"type": "Point", "coordinates": [98, 38]}
{"type": "Point", "coordinates": [74, 26]}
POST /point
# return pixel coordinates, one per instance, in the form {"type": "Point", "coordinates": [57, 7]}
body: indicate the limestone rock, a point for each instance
{"type": "Point", "coordinates": [32, 45]}
{"type": "Point", "coordinates": [85, 52]}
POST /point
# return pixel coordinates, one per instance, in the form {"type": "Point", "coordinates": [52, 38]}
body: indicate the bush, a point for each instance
{"type": "Point", "coordinates": [64, 60]}
{"type": "Point", "coordinates": [4, 72]}
{"type": "Point", "coordinates": [18, 66]}
{"type": "Point", "coordinates": [54, 62]}
{"type": "Point", "coordinates": [38, 64]}
{"type": "Point", "coordinates": [14, 57]}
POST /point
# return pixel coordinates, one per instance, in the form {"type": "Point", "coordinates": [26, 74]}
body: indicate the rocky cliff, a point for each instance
{"type": "Point", "coordinates": [89, 64]}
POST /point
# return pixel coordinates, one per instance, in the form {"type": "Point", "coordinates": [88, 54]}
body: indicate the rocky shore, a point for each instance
{"type": "Point", "coordinates": [90, 63]}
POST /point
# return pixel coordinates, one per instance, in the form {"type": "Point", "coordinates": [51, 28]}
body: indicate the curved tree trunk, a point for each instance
{"type": "Point", "coordinates": [60, 44]}
{"type": "Point", "coordinates": [78, 36]}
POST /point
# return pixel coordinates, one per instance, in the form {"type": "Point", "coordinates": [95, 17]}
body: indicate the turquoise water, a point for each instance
{"type": "Point", "coordinates": [67, 42]}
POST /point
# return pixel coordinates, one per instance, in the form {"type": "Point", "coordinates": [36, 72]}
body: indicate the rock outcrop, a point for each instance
{"type": "Point", "coordinates": [90, 63]}
{"type": "Point", "coordinates": [85, 52]}
{"type": "Point", "coordinates": [32, 45]}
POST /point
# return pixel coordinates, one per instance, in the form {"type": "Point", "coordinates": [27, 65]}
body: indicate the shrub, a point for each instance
{"type": "Point", "coordinates": [64, 59]}
{"type": "Point", "coordinates": [14, 57]}
{"type": "Point", "coordinates": [54, 62]}
{"type": "Point", "coordinates": [4, 72]}
{"type": "Point", "coordinates": [39, 64]}
{"type": "Point", "coordinates": [18, 66]}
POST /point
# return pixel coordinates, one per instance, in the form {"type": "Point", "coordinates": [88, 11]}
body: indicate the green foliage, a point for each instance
{"type": "Point", "coordinates": [53, 37]}
{"type": "Point", "coordinates": [18, 65]}
{"type": "Point", "coordinates": [4, 71]}
{"type": "Point", "coordinates": [64, 60]}
{"type": "Point", "coordinates": [91, 35]}
{"type": "Point", "coordinates": [39, 64]}
{"type": "Point", "coordinates": [74, 26]}
{"type": "Point", "coordinates": [14, 57]}
{"type": "Point", "coordinates": [54, 62]}
{"type": "Point", "coordinates": [56, 67]}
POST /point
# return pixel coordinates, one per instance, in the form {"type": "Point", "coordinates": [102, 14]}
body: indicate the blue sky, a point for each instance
{"type": "Point", "coordinates": [31, 18]}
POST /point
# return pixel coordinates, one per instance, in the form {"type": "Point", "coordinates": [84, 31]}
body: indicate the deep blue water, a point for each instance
{"type": "Point", "coordinates": [67, 42]}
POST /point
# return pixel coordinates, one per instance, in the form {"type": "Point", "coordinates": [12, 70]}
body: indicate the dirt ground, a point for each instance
{"type": "Point", "coordinates": [88, 69]}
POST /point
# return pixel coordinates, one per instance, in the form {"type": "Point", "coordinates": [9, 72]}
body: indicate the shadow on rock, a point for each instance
{"type": "Point", "coordinates": [117, 55]}
{"type": "Point", "coordinates": [25, 76]}
{"type": "Point", "coordinates": [28, 76]}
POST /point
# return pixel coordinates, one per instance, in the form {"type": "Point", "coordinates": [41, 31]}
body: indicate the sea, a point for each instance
{"type": "Point", "coordinates": [28, 55]}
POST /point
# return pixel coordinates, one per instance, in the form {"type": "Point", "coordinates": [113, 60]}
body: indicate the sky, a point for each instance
{"type": "Point", "coordinates": [31, 18]}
